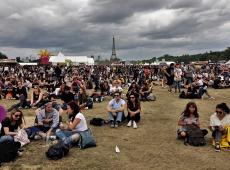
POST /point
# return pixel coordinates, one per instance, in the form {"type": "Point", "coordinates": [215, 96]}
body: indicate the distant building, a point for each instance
{"type": "Point", "coordinates": [8, 62]}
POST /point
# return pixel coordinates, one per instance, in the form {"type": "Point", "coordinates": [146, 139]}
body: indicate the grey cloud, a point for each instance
{"type": "Point", "coordinates": [81, 28]}
{"type": "Point", "coordinates": [110, 11]}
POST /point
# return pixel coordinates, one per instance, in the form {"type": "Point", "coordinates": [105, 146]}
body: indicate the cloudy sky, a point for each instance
{"type": "Point", "coordinates": [142, 28]}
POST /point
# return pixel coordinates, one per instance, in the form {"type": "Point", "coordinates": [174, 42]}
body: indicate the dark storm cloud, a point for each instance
{"type": "Point", "coordinates": [141, 27]}
{"type": "Point", "coordinates": [113, 11]}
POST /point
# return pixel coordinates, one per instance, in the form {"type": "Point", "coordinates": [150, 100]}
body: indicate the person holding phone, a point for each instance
{"type": "Point", "coordinates": [218, 123]}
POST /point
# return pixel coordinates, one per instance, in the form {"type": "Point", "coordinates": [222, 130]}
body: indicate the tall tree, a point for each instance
{"type": "Point", "coordinates": [3, 56]}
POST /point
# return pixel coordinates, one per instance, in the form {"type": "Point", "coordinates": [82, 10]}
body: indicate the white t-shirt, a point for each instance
{"type": "Point", "coordinates": [215, 121]}
{"type": "Point", "coordinates": [178, 72]}
{"type": "Point", "coordinates": [200, 82]}
{"type": "Point", "coordinates": [116, 105]}
{"type": "Point", "coordinates": [82, 126]}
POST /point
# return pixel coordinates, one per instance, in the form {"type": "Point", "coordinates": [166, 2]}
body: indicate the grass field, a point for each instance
{"type": "Point", "coordinates": [152, 146]}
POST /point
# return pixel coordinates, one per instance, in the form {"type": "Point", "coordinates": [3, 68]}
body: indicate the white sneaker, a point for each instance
{"type": "Point", "coordinates": [134, 125]}
{"type": "Point", "coordinates": [37, 137]}
{"type": "Point", "coordinates": [129, 124]}
{"type": "Point", "coordinates": [20, 153]}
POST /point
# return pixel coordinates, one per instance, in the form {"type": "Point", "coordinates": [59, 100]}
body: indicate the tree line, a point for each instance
{"type": "Point", "coordinates": [213, 56]}
{"type": "Point", "coordinates": [3, 56]}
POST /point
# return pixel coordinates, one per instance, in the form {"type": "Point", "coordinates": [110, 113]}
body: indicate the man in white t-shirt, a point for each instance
{"type": "Point", "coordinates": [177, 77]}
{"type": "Point", "coordinates": [116, 109]}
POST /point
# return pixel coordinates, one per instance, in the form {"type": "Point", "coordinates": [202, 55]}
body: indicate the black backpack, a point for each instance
{"type": "Point", "coordinates": [57, 151]}
{"type": "Point", "coordinates": [89, 103]}
{"type": "Point", "coordinates": [195, 136]}
{"type": "Point", "coordinates": [8, 151]}
{"type": "Point", "coordinates": [97, 121]}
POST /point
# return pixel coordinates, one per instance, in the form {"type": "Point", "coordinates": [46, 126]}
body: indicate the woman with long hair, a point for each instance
{"type": "Point", "coordinates": [11, 124]}
{"type": "Point", "coordinates": [134, 110]}
{"type": "Point", "coordinates": [189, 116]}
{"type": "Point", "coordinates": [76, 123]}
{"type": "Point", "coordinates": [36, 97]}
{"type": "Point", "coordinates": [219, 121]}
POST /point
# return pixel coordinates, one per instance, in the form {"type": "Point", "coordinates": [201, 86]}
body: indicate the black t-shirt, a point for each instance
{"type": "Point", "coordinates": [8, 123]}
{"type": "Point", "coordinates": [22, 91]}
{"type": "Point", "coordinates": [133, 107]}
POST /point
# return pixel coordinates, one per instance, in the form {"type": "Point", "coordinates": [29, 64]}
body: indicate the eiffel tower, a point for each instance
{"type": "Point", "coordinates": [113, 56]}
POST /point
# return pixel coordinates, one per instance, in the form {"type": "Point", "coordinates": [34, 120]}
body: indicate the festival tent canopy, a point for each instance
{"type": "Point", "coordinates": [76, 60]}
{"type": "Point", "coordinates": [28, 64]}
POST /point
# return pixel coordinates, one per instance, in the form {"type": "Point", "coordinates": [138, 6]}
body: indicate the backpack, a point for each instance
{"type": "Point", "coordinates": [195, 136]}
{"type": "Point", "coordinates": [8, 151]}
{"type": "Point", "coordinates": [151, 97]}
{"type": "Point", "coordinates": [86, 139]}
{"type": "Point", "coordinates": [97, 121]}
{"type": "Point", "coordinates": [182, 95]}
{"type": "Point", "coordinates": [57, 151]}
{"type": "Point", "coordinates": [89, 103]}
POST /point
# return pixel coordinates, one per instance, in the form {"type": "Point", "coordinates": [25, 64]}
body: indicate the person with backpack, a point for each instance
{"type": "Point", "coordinates": [219, 125]}
{"type": "Point", "coordinates": [189, 117]}
{"type": "Point", "coordinates": [77, 123]}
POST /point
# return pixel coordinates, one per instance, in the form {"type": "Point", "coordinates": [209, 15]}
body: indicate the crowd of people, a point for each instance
{"type": "Point", "coordinates": [55, 90]}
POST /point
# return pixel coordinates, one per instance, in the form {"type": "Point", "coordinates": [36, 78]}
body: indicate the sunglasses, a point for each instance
{"type": "Point", "coordinates": [219, 112]}
{"type": "Point", "coordinates": [17, 115]}
{"type": "Point", "coordinates": [116, 95]}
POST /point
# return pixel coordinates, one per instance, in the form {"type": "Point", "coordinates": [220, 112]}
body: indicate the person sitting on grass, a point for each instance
{"type": "Point", "coordinates": [189, 116]}
{"type": "Point", "coordinates": [11, 124]}
{"type": "Point", "coordinates": [36, 97]}
{"type": "Point", "coordinates": [145, 91]}
{"type": "Point", "coordinates": [48, 121]}
{"type": "Point", "coordinates": [76, 123]}
{"type": "Point", "coordinates": [134, 110]}
{"type": "Point", "coordinates": [219, 125]}
{"type": "Point", "coordinates": [116, 109]}
{"type": "Point", "coordinates": [133, 89]}
{"type": "Point", "coordinates": [55, 105]}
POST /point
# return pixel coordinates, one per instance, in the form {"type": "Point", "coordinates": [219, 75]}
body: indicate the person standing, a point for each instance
{"type": "Point", "coordinates": [177, 77]}
{"type": "Point", "coordinates": [170, 76]}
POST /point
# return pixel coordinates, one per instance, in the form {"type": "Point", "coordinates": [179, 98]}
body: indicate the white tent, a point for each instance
{"type": "Point", "coordinates": [76, 60]}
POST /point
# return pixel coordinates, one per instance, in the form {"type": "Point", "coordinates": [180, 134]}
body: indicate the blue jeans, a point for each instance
{"type": "Point", "coordinates": [6, 138]}
{"type": "Point", "coordinates": [177, 85]}
{"type": "Point", "coordinates": [67, 136]}
{"type": "Point", "coordinates": [117, 118]}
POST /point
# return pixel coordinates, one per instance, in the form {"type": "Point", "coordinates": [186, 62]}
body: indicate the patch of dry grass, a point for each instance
{"type": "Point", "coordinates": [152, 146]}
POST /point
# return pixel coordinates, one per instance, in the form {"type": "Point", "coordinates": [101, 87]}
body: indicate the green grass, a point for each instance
{"type": "Point", "coordinates": [152, 146]}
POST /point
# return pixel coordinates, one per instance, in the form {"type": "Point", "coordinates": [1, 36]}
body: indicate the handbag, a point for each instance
{"type": "Point", "coordinates": [86, 139]}
{"type": "Point", "coordinates": [22, 137]}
